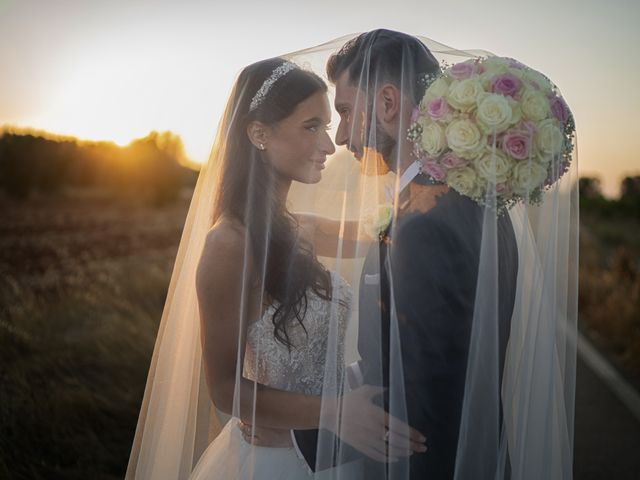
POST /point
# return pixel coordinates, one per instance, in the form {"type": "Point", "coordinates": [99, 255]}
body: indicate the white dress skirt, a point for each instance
{"type": "Point", "coordinates": [230, 457]}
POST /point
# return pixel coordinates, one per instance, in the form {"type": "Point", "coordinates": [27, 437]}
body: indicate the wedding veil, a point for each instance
{"type": "Point", "coordinates": [464, 307]}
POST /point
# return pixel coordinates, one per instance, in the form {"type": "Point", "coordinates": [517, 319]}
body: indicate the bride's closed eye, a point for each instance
{"type": "Point", "coordinates": [316, 128]}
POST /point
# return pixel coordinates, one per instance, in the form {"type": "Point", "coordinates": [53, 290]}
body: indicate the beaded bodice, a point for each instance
{"type": "Point", "coordinates": [317, 346]}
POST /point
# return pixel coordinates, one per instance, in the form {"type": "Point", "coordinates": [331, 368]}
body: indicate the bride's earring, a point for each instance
{"type": "Point", "coordinates": [261, 147]}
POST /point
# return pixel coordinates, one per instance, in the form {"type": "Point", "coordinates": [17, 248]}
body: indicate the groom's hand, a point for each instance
{"type": "Point", "coordinates": [265, 437]}
{"type": "Point", "coordinates": [371, 430]}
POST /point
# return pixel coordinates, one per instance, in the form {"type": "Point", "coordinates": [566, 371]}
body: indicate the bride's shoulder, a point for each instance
{"type": "Point", "coordinates": [224, 266]}
{"type": "Point", "coordinates": [226, 229]}
{"type": "Point", "coordinates": [225, 240]}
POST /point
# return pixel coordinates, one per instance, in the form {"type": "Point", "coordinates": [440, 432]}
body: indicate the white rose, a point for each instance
{"type": "Point", "coordinates": [463, 94]}
{"type": "Point", "coordinates": [491, 160]}
{"type": "Point", "coordinates": [378, 220]}
{"type": "Point", "coordinates": [432, 139]}
{"type": "Point", "coordinates": [527, 176]}
{"type": "Point", "coordinates": [540, 80]}
{"type": "Point", "coordinates": [464, 138]}
{"type": "Point", "coordinates": [495, 113]}
{"type": "Point", "coordinates": [463, 180]}
{"type": "Point", "coordinates": [492, 66]}
{"type": "Point", "coordinates": [517, 72]}
{"type": "Point", "coordinates": [535, 105]}
{"type": "Point", "coordinates": [496, 64]}
{"type": "Point", "coordinates": [438, 88]}
{"type": "Point", "coordinates": [549, 139]}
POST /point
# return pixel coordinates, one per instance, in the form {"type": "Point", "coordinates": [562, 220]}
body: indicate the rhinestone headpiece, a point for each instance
{"type": "Point", "coordinates": [276, 75]}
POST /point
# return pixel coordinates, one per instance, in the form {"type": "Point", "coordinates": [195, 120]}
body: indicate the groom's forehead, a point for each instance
{"type": "Point", "coordinates": [346, 91]}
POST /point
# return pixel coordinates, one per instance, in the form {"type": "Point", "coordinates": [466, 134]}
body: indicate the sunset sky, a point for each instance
{"type": "Point", "coordinates": [115, 70]}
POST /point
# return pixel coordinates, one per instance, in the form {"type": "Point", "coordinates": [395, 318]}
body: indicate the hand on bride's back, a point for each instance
{"type": "Point", "coordinates": [364, 426]}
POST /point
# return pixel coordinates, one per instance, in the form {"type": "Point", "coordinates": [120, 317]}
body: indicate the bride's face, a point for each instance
{"type": "Point", "coordinates": [298, 146]}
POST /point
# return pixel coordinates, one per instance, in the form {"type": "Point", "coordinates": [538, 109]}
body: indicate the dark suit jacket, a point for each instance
{"type": "Point", "coordinates": [433, 261]}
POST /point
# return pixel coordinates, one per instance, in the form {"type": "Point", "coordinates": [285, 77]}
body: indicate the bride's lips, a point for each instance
{"type": "Point", "coordinates": [319, 163]}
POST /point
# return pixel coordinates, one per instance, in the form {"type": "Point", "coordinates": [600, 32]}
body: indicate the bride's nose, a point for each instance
{"type": "Point", "coordinates": [326, 144]}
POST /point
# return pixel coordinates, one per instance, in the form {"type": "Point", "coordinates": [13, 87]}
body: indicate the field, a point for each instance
{"type": "Point", "coordinates": [83, 280]}
{"type": "Point", "coordinates": [609, 296]}
{"type": "Point", "coordinates": [82, 286]}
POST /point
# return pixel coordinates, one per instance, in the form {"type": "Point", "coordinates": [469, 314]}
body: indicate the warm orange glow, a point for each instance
{"type": "Point", "coordinates": [372, 163]}
{"type": "Point", "coordinates": [118, 95]}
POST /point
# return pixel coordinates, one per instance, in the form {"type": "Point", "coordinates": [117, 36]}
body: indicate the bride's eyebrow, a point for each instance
{"type": "Point", "coordinates": [313, 120]}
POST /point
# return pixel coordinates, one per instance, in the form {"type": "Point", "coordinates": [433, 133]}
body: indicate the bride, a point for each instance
{"type": "Point", "coordinates": [259, 280]}
{"type": "Point", "coordinates": [255, 266]}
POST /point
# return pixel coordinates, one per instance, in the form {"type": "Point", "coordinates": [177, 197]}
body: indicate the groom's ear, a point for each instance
{"type": "Point", "coordinates": [389, 103]}
{"type": "Point", "coordinates": [258, 134]}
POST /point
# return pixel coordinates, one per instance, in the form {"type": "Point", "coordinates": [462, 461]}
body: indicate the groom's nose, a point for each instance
{"type": "Point", "coordinates": [342, 134]}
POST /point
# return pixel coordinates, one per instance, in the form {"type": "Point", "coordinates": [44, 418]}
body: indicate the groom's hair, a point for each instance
{"type": "Point", "coordinates": [384, 56]}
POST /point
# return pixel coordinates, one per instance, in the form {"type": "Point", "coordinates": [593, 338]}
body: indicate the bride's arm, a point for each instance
{"type": "Point", "coordinates": [324, 234]}
{"type": "Point", "coordinates": [225, 288]}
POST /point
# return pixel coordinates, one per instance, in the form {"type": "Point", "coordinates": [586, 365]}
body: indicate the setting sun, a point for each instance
{"type": "Point", "coordinates": [120, 95]}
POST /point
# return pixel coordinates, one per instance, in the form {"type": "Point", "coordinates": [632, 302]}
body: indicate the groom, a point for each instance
{"type": "Point", "coordinates": [429, 255]}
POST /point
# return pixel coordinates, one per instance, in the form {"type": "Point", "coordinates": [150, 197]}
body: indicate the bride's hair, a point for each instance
{"type": "Point", "coordinates": [246, 192]}
{"type": "Point", "coordinates": [387, 55]}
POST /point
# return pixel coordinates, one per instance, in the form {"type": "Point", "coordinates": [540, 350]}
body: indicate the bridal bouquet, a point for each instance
{"type": "Point", "coordinates": [493, 124]}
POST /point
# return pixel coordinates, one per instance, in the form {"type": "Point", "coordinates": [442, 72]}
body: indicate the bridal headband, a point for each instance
{"type": "Point", "coordinates": [276, 75]}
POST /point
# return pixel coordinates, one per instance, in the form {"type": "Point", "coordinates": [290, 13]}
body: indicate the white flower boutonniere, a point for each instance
{"type": "Point", "coordinates": [377, 221]}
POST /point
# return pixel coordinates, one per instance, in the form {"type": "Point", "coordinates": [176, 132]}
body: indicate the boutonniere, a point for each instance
{"type": "Point", "coordinates": [377, 221]}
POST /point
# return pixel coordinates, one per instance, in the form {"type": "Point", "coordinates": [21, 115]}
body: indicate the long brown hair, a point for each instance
{"type": "Point", "coordinates": [284, 260]}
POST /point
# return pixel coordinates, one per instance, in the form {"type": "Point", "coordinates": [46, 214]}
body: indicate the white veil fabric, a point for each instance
{"type": "Point", "coordinates": [451, 253]}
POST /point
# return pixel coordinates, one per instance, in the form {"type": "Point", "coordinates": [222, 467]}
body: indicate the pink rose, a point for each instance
{"type": "Point", "coordinates": [502, 188]}
{"type": "Point", "coordinates": [438, 108]}
{"type": "Point", "coordinates": [506, 84]}
{"type": "Point", "coordinates": [517, 143]}
{"type": "Point", "coordinates": [431, 167]}
{"type": "Point", "coordinates": [451, 160]}
{"type": "Point", "coordinates": [560, 109]}
{"type": "Point", "coordinates": [463, 70]}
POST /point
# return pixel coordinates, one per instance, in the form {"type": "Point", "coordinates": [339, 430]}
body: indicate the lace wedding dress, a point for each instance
{"type": "Point", "coordinates": [300, 370]}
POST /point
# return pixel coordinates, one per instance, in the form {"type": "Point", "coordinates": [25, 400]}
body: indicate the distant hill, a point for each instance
{"type": "Point", "coordinates": [154, 168]}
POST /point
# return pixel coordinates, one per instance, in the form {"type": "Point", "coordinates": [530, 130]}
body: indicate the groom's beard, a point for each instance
{"type": "Point", "coordinates": [385, 145]}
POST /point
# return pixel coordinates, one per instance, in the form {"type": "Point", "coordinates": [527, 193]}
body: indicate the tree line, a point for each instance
{"type": "Point", "coordinates": [154, 169]}
{"type": "Point", "coordinates": [150, 168]}
{"type": "Point", "coordinates": [592, 200]}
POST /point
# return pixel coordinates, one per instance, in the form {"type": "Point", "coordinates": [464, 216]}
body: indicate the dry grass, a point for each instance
{"type": "Point", "coordinates": [82, 286]}
{"type": "Point", "coordinates": [609, 298]}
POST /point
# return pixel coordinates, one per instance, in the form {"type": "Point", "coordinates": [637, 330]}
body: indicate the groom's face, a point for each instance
{"type": "Point", "coordinates": [355, 109]}
{"type": "Point", "coordinates": [350, 103]}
